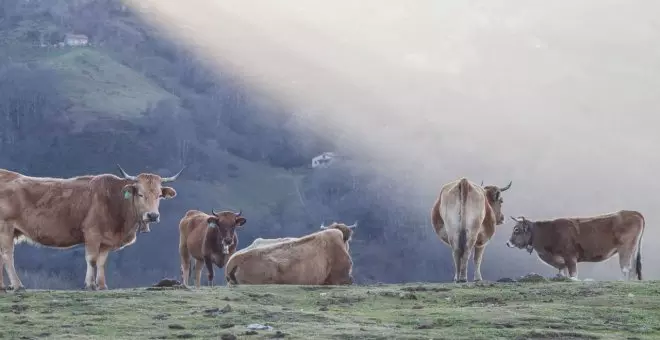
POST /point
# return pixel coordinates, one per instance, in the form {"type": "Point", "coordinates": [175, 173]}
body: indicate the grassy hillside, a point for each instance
{"type": "Point", "coordinates": [586, 310]}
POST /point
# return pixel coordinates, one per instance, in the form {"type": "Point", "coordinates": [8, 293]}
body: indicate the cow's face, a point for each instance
{"type": "Point", "coordinates": [146, 194]}
{"type": "Point", "coordinates": [225, 223]}
{"type": "Point", "coordinates": [521, 237]}
{"type": "Point", "coordinates": [494, 196]}
{"type": "Point", "coordinates": [146, 191]}
{"type": "Point", "coordinates": [346, 230]}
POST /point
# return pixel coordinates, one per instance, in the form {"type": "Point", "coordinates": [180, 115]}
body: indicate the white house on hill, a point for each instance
{"type": "Point", "coordinates": [323, 160]}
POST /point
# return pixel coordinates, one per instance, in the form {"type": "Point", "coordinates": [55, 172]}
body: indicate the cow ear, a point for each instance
{"type": "Point", "coordinates": [212, 222]}
{"type": "Point", "coordinates": [168, 192]}
{"type": "Point", "coordinates": [128, 190]}
{"type": "Point", "coordinates": [240, 221]}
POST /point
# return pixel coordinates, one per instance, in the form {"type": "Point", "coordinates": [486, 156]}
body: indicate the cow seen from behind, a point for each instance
{"type": "Point", "coordinates": [104, 212]}
{"type": "Point", "coordinates": [464, 217]}
{"type": "Point", "coordinates": [208, 239]}
{"type": "Point", "coordinates": [564, 242]}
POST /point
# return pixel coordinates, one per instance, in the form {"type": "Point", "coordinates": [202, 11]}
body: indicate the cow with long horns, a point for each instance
{"type": "Point", "coordinates": [464, 216]}
{"type": "Point", "coordinates": [103, 212]}
{"type": "Point", "coordinates": [208, 239]}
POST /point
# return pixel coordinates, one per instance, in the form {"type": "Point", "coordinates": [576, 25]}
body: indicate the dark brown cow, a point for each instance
{"type": "Point", "coordinates": [564, 242]}
{"type": "Point", "coordinates": [464, 216]}
{"type": "Point", "coordinates": [104, 212]}
{"type": "Point", "coordinates": [209, 239]}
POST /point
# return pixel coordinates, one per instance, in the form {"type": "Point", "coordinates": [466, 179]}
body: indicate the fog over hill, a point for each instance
{"type": "Point", "coordinates": [561, 98]}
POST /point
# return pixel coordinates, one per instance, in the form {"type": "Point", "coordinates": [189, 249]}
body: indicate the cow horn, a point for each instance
{"type": "Point", "coordinates": [323, 226]}
{"type": "Point", "coordinates": [353, 225]}
{"type": "Point", "coordinates": [240, 211]}
{"type": "Point", "coordinates": [214, 212]}
{"type": "Point", "coordinates": [172, 178]}
{"type": "Point", "coordinates": [507, 187]}
{"type": "Point", "coordinates": [513, 218]}
{"type": "Point", "coordinates": [482, 183]}
{"type": "Point", "coordinates": [125, 175]}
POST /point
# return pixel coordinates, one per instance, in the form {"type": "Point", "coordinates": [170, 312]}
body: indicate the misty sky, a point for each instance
{"type": "Point", "coordinates": [560, 97]}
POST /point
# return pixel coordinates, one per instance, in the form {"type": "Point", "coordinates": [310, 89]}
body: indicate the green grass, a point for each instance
{"type": "Point", "coordinates": [98, 84]}
{"type": "Point", "coordinates": [604, 310]}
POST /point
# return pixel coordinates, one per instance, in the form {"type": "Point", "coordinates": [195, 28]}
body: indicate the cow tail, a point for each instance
{"type": "Point", "coordinates": [462, 234]}
{"type": "Point", "coordinates": [192, 269]}
{"type": "Point", "coordinates": [638, 259]}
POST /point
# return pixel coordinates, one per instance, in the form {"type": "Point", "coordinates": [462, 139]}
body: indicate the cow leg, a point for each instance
{"type": "Point", "coordinates": [571, 265]}
{"type": "Point", "coordinates": [198, 272]}
{"type": "Point", "coordinates": [625, 262]}
{"type": "Point", "coordinates": [478, 256]}
{"type": "Point", "coordinates": [100, 269]}
{"type": "Point", "coordinates": [209, 269]}
{"type": "Point", "coordinates": [91, 256]}
{"type": "Point", "coordinates": [7, 255]}
{"type": "Point", "coordinates": [464, 258]}
{"type": "Point", "coordinates": [2, 275]}
{"type": "Point", "coordinates": [185, 268]}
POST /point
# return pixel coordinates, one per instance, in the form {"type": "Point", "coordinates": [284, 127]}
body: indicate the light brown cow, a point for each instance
{"type": "Point", "coordinates": [464, 216]}
{"type": "Point", "coordinates": [321, 258]}
{"type": "Point", "coordinates": [564, 242]}
{"type": "Point", "coordinates": [104, 212]}
{"type": "Point", "coordinates": [209, 239]}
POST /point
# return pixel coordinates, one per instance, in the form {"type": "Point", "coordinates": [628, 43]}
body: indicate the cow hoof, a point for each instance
{"type": "Point", "coordinates": [461, 281]}
{"type": "Point", "coordinates": [89, 287]}
{"type": "Point", "coordinates": [575, 279]}
{"type": "Point", "coordinates": [19, 289]}
{"type": "Point", "coordinates": [104, 287]}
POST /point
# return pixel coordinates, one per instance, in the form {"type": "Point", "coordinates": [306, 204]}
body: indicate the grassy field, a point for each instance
{"type": "Point", "coordinates": [566, 310]}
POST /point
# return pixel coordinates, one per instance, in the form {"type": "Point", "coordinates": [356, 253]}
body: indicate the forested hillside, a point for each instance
{"type": "Point", "coordinates": [135, 97]}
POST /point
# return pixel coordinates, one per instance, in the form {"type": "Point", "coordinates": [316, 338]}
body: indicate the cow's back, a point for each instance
{"type": "Point", "coordinates": [49, 211]}
{"type": "Point", "coordinates": [462, 205]}
{"type": "Point", "coordinates": [307, 260]}
{"type": "Point", "coordinates": [192, 228]}
{"type": "Point", "coordinates": [600, 236]}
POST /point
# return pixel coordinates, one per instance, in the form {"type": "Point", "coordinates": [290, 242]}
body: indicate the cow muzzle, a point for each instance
{"type": "Point", "coordinates": [151, 217]}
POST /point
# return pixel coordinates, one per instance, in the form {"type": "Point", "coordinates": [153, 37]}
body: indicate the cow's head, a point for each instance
{"type": "Point", "coordinates": [522, 235]}
{"type": "Point", "coordinates": [225, 224]}
{"type": "Point", "coordinates": [494, 195]}
{"type": "Point", "coordinates": [346, 230]}
{"type": "Point", "coordinates": [146, 191]}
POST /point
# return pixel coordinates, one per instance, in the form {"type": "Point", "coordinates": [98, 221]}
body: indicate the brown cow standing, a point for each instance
{"type": "Point", "coordinates": [464, 217]}
{"type": "Point", "coordinates": [564, 242]}
{"type": "Point", "coordinates": [104, 212]}
{"type": "Point", "coordinates": [209, 239]}
{"type": "Point", "coordinates": [321, 258]}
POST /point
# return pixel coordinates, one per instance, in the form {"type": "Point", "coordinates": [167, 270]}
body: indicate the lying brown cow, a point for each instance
{"type": "Point", "coordinates": [104, 212]}
{"type": "Point", "coordinates": [564, 242]}
{"type": "Point", "coordinates": [321, 258]}
{"type": "Point", "coordinates": [464, 217]}
{"type": "Point", "coordinates": [209, 239]}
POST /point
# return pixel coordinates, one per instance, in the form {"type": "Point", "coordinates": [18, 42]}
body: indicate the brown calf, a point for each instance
{"type": "Point", "coordinates": [104, 212]}
{"type": "Point", "coordinates": [564, 242]}
{"type": "Point", "coordinates": [209, 239]}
